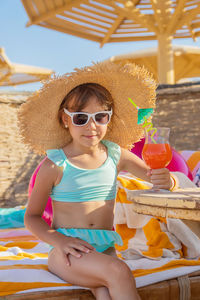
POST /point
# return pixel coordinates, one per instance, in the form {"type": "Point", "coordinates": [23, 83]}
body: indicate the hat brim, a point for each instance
{"type": "Point", "coordinates": [38, 117]}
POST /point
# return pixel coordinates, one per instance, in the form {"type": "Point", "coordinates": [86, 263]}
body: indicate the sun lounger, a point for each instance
{"type": "Point", "coordinates": [24, 273]}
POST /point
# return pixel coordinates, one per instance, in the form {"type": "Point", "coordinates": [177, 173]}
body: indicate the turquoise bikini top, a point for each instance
{"type": "Point", "coordinates": [80, 185]}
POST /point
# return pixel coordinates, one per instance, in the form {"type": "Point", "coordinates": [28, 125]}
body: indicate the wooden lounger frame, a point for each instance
{"type": "Point", "coordinates": [165, 290]}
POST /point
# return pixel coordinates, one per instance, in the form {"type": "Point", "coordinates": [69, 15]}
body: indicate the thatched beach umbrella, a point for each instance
{"type": "Point", "coordinates": [186, 61]}
{"type": "Point", "coordinates": [12, 74]}
{"type": "Point", "coordinates": [108, 21]}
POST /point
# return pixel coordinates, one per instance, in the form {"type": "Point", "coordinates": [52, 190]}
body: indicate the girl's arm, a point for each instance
{"type": "Point", "coordinates": [160, 178]}
{"type": "Point", "coordinates": [45, 180]}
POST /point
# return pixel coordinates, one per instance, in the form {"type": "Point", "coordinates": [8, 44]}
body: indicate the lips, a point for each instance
{"type": "Point", "coordinates": [90, 136]}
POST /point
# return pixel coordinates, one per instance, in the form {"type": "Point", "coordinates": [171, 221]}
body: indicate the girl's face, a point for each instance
{"type": "Point", "coordinates": [91, 133]}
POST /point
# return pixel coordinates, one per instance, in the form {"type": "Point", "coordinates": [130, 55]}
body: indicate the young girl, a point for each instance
{"type": "Point", "coordinates": [84, 122]}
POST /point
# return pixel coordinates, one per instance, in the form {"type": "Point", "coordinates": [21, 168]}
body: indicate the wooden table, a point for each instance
{"type": "Point", "coordinates": [180, 204]}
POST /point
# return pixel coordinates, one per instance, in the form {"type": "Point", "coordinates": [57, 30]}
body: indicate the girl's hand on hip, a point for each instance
{"type": "Point", "coordinates": [160, 178]}
{"type": "Point", "coordinates": [74, 246]}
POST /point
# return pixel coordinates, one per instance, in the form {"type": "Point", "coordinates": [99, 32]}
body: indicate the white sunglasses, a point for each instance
{"type": "Point", "coordinates": [82, 118]}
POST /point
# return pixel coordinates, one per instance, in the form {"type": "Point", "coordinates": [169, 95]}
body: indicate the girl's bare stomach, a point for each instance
{"type": "Point", "coordinates": [91, 214]}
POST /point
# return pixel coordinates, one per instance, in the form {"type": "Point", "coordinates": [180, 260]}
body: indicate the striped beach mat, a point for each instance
{"type": "Point", "coordinates": [23, 266]}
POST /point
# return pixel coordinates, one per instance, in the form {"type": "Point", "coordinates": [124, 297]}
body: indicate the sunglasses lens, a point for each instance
{"type": "Point", "coordinates": [80, 119]}
{"type": "Point", "coordinates": [102, 118]}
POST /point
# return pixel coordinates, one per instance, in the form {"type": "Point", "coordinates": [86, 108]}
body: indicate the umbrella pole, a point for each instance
{"type": "Point", "coordinates": [165, 63]}
{"type": "Point", "coordinates": [165, 60]}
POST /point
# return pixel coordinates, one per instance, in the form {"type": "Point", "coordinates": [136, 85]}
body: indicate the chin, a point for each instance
{"type": "Point", "coordinates": [91, 140]}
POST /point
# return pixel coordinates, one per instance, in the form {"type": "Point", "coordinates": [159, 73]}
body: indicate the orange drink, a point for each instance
{"type": "Point", "coordinates": [157, 156]}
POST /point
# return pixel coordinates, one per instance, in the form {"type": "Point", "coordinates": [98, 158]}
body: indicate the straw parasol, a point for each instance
{"type": "Point", "coordinates": [108, 21]}
{"type": "Point", "coordinates": [12, 74]}
{"type": "Point", "coordinates": [186, 61]}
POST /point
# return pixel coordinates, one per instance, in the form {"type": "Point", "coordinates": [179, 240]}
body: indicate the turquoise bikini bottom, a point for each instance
{"type": "Point", "coordinates": [100, 239]}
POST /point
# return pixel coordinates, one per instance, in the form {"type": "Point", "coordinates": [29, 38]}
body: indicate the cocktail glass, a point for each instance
{"type": "Point", "coordinates": [157, 152]}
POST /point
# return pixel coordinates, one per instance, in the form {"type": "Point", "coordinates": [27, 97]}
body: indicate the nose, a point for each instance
{"type": "Point", "coordinates": [91, 123]}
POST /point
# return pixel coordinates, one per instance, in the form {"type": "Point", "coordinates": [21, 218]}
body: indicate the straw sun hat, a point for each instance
{"type": "Point", "coordinates": [38, 117]}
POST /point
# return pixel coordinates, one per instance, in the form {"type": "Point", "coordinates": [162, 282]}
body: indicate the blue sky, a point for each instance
{"type": "Point", "coordinates": [47, 48]}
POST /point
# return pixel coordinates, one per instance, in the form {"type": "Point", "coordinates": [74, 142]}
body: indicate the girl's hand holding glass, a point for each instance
{"type": "Point", "coordinates": [160, 178]}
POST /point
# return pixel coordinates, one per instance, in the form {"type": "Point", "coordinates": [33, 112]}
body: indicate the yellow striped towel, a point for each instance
{"type": "Point", "coordinates": [23, 266]}
{"type": "Point", "coordinates": [147, 236]}
{"type": "Point", "coordinates": [160, 256]}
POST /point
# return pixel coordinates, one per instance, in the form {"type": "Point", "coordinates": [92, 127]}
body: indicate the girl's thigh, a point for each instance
{"type": "Point", "coordinates": [111, 251]}
{"type": "Point", "coordinates": [91, 270]}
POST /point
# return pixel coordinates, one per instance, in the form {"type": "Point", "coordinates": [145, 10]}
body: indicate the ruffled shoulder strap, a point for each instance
{"type": "Point", "coordinates": [55, 155]}
{"type": "Point", "coordinates": [114, 150]}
